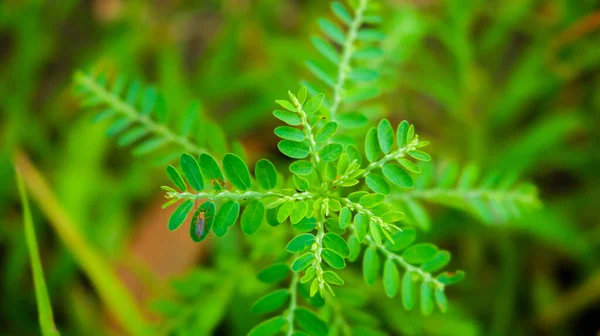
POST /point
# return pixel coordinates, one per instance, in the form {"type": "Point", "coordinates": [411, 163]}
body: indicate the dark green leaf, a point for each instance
{"type": "Point", "coordinates": [326, 132]}
{"type": "Point", "coordinates": [361, 222]}
{"type": "Point", "coordinates": [271, 302]}
{"type": "Point", "coordinates": [302, 262]}
{"type": "Point", "coordinates": [200, 230]}
{"type": "Point", "coordinates": [226, 217]}
{"type": "Point", "coordinates": [326, 49]}
{"type": "Point", "coordinates": [441, 300]}
{"type": "Point", "coordinates": [408, 291]}
{"type": "Point", "coordinates": [441, 259]}
{"type": "Point", "coordinates": [371, 265]}
{"type": "Point", "coordinates": [236, 171]}
{"type": "Point", "coordinates": [426, 299]}
{"type": "Point", "coordinates": [180, 214]}
{"type": "Point", "coordinates": [287, 117]}
{"type": "Point", "coordinates": [397, 176]}
{"type": "Point", "coordinates": [274, 273]}
{"type": "Point", "coordinates": [341, 12]}
{"type": "Point", "coordinates": [269, 327]}
{"type": "Point", "coordinates": [419, 253]}
{"type": "Point", "coordinates": [211, 171]}
{"type": "Point", "coordinates": [352, 120]}
{"type": "Point", "coordinates": [345, 217]}
{"type": "Point", "coordinates": [449, 278]}
{"type": "Point", "coordinates": [191, 171]}
{"type": "Point", "coordinates": [391, 278]}
{"type": "Point", "coordinates": [333, 258]}
{"type": "Point", "coordinates": [354, 247]}
{"type": "Point", "coordinates": [372, 150]}
{"type": "Point", "coordinates": [332, 31]}
{"type": "Point", "coordinates": [175, 177]}
{"type": "Point", "coordinates": [310, 322]}
{"type": "Point", "coordinates": [306, 224]}
{"type": "Point", "coordinates": [290, 133]}
{"type": "Point", "coordinates": [301, 167]}
{"type": "Point", "coordinates": [336, 243]}
{"type": "Point", "coordinates": [295, 150]}
{"type": "Point", "coordinates": [402, 239]}
{"type": "Point", "coordinates": [252, 217]}
{"type": "Point", "coordinates": [266, 174]}
{"type": "Point", "coordinates": [331, 152]}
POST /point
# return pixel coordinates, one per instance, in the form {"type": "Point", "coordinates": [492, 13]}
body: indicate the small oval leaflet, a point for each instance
{"type": "Point", "coordinates": [236, 171]}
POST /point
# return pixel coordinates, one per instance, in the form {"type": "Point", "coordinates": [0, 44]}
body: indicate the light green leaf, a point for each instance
{"type": "Point", "coordinates": [284, 211]}
{"type": "Point", "coordinates": [331, 152]}
{"type": "Point", "coordinates": [392, 216]}
{"type": "Point", "coordinates": [449, 278]}
{"type": "Point", "coordinates": [299, 212]}
{"type": "Point", "coordinates": [336, 243]}
{"type": "Point", "coordinates": [408, 291]}
{"type": "Point", "coordinates": [421, 156]}
{"type": "Point", "coordinates": [372, 150]}
{"type": "Point", "coordinates": [361, 222]}
{"type": "Point", "coordinates": [314, 104]}
{"type": "Point", "coordinates": [419, 253]}
{"type": "Point", "coordinates": [286, 105]}
{"type": "Point", "coordinates": [290, 133]}
{"type": "Point", "coordinates": [352, 120]}
{"type": "Point", "coordinates": [391, 278]}
{"type": "Point", "coordinates": [402, 239]}
{"type": "Point", "coordinates": [300, 243]}
{"type": "Point", "coordinates": [180, 214]}
{"type": "Point", "coordinates": [371, 265]}
{"type": "Point", "coordinates": [397, 176]}
{"type": "Point", "coordinates": [333, 258]}
{"type": "Point", "coordinates": [354, 247]}
{"type": "Point", "coordinates": [306, 224]}
{"type": "Point", "coordinates": [378, 184]}
{"type": "Point", "coordinates": [191, 171]}
{"type": "Point", "coordinates": [300, 183]}
{"type": "Point", "coordinates": [320, 73]}
{"type": "Point", "coordinates": [345, 217]}
{"type": "Point", "coordinates": [226, 217]}
{"type": "Point", "coordinates": [368, 53]}
{"type": "Point", "coordinates": [332, 278]}
{"type": "Point", "coordinates": [236, 171]}
{"type": "Point", "coordinates": [371, 200]}
{"type": "Point", "coordinates": [301, 167]}
{"type": "Point", "coordinates": [326, 132]}
{"type": "Point", "coordinates": [287, 117]}
{"type": "Point", "coordinates": [363, 74]}
{"type": "Point", "coordinates": [370, 35]}
{"type": "Point", "coordinates": [266, 174]}
{"type": "Point", "coordinates": [440, 299]}
{"type": "Point", "coordinates": [341, 12]}
{"type": "Point", "coordinates": [295, 150]}
{"type": "Point", "coordinates": [252, 217]}
{"type": "Point", "coordinates": [426, 299]}
{"type": "Point", "coordinates": [332, 31]}
{"type": "Point", "coordinates": [375, 233]}
{"type": "Point", "coordinates": [326, 49]}
{"type": "Point", "coordinates": [409, 165]}
{"type": "Point", "coordinates": [401, 133]}
{"type": "Point", "coordinates": [271, 302]}
{"type": "Point", "coordinates": [302, 262]}
{"type": "Point", "coordinates": [441, 259]}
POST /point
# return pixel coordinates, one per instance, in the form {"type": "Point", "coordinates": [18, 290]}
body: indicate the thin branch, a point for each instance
{"type": "Point", "coordinates": [293, 303]}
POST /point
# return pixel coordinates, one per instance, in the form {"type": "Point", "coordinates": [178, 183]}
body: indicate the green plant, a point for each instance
{"type": "Point", "coordinates": [324, 200]}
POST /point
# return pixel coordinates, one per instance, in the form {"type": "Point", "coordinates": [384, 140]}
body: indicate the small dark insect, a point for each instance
{"type": "Point", "coordinates": [199, 229]}
{"type": "Point", "coordinates": [213, 182]}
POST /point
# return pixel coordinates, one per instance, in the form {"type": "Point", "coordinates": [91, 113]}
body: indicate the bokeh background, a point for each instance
{"type": "Point", "coordinates": [512, 85]}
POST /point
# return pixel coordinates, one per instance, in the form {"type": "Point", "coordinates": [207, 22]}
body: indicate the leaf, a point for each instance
{"type": "Point", "coordinates": [378, 184]}
{"type": "Point", "coordinates": [408, 291]}
{"type": "Point", "coordinates": [345, 217]}
{"type": "Point", "coordinates": [449, 278]}
{"type": "Point", "coordinates": [397, 176]}
{"type": "Point", "coordinates": [290, 133]}
{"type": "Point", "coordinates": [385, 135]}
{"type": "Point", "coordinates": [331, 152]}
{"type": "Point", "coordinates": [149, 100]}
{"type": "Point", "coordinates": [333, 258]}
{"type": "Point", "coordinates": [310, 322]}
{"type": "Point", "coordinates": [175, 177]}
{"type": "Point", "coordinates": [372, 145]}
{"type": "Point", "coordinates": [363, 75]}
{"type": "Point", "coordinates": [354, 247]}
{"type": "Point", "coordinates": [314, 104]}
{"type": "Point", "coordinates": [284, 211]}
{"type": "Point", "coordinates": [300, 183]}
{"type": "Point", "coordinates": [409, 165]}
{"type": "Point", "coordinates": [148, 146]}
{"type": "Point", "coordinates": [211, 171]}
{"type": "Point", "coordinates": [286, 105]}
{"type": "Point", "coordinates": [326, 49]}
{"type": "Point", "coordinates": [440, 299]}
{"type": "Point", "coordinates": [371, 265]}
{"type": "Point", "coordinates": [326, 132]}
{"type": "Point", "coordinates": [332, 31]}
{"type": "Point", "coordinates": [274, 273]}
{"type": "Point", "coordinates": [226, 217]}
{"type": "Point", "coordinates": [252, 217]}
{"type": "Point", "coordinates": [302, 262]}
{"type": "Point", "coordinates": [306, 225]}
{"type": "Point", "coordinates": [419, 253]}
{"type": "Point", "coordinates": [287, 117]}
{"type": "Point", "coordinates": [341, 12]}
{"type": "Point", "coordinates": [336, 243]}
{"type": "Point", "coordinates": [236, 171]}
{"type": "Point", "coordinates": [401, 133]}
{"type": "Point", "coordinates": [299, 212]}
{"type": "Point", "coordinates": [332, 278]}
{"type": "Point", "coordinates": [190, 116]}
{"type": "Point", "coordinates": [266, 174]}
{"type": "Point", "coordinates": [180, 214]}
{"type": "Point", "coordinates": [354, 154]}
{"type": "Point", "coordinates": [191, 171]}
{"type": "Point", "coordinates": [301, 167]}
{"type": "Point", "coordinates": [468, 177]}
{"type": "Point", "coordinates": [392, 216]}
{"type": "Point", "coordinates": [271, 302]}
{"type": "Point", "coordinates": [441, 259]}
{"type": "Point", "coordinates": [368, 53]}
{"type": "Point", "coordinates": [269, 327]}
{"type": "Point", "coordinates": [300, 243]}
{"type": "Point", "coordinates": [371, 200]}
{"type": "Point", "coordinates": [361, 222]}
{"type": "Point", "coordinates": [426, 299]}
{"type": "Point", "coordinates": [421, 156]}
{"type": "Point", "coordinates": [351, 120]}
{"type": "Point", "coordinates": [320, 73]}
{"type": "Point", "coordinates": [391, 278]}
{"type": "Point", "coordinates": [370, 35]}
{"type": "Point", "coordinates": [375, 233]}
{"type": "Point", "coordinates": [295, 150]}
{"type": "Point", "coordinates": [410, 134]}
{"type": "Point", "coordinates": [132, 136]}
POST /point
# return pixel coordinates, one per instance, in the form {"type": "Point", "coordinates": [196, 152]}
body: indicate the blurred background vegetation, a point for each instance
{"type": "Point", "coordinates": [512, 85]}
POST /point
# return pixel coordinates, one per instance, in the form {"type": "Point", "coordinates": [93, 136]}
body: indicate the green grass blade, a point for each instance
{"type": "Point", "coordinates": [46, 317]}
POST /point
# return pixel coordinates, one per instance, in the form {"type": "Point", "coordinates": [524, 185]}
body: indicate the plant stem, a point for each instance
{"type": "Point", "coordinates": [232, 195]}
{"type": "Point", "coordinates": [347, 51]}
{"type": "Point", "coordinates": [115, 102]}
{"type": "Point", "coordinates": [293, 303]}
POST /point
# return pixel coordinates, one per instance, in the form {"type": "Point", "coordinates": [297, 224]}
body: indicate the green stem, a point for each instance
{"type": "Point", "coordinates": [293, 303]}
{"type": "Point", "coordinates": [236, 195]}
{"type": "Point", "coordinates": [347, 51]}
{"type": "Point", "coordinates": [116, 103]}
{"type": "Point", "coordinates": [317, 253]}
{"type": "Point", "coordinates": [362, 210]}
{"type": "Point", "coordinates": [490, 194]}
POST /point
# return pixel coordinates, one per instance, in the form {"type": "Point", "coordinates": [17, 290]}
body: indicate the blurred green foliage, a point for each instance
{"type": "Point", "coordinates": [510, 85]}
